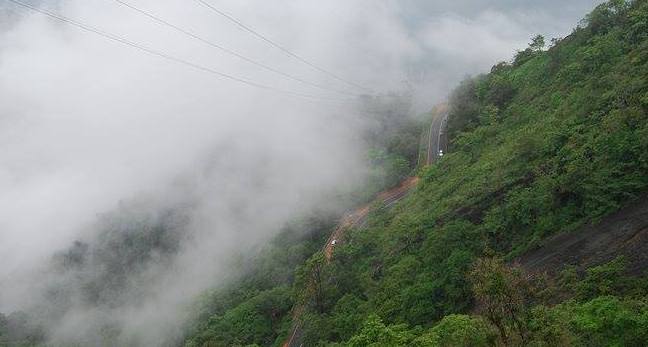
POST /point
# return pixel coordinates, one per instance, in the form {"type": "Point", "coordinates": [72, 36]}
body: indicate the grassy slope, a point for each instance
{"type": "Point", "coordinates": [540, 146]}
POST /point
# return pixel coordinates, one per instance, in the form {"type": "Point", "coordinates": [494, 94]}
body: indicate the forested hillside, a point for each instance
{"type": "Point", "coordinates": [550, 143]}
{"type": "Point", "coordinates": [256, 308]}
{"type": "Point", "coordinates": [542, 145]}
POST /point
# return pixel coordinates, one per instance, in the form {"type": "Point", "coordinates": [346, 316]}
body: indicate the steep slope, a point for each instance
{"type": "Point", "coordinates": [544, 149]}
{"type": "Point", "coordinates": [540, 146]}
{"type": "Point", "coordinates": [256, 308]}
{"type": "Point", "coordinates": [624, 232]}
{"type": "Point", "coordinates": [435, 141]}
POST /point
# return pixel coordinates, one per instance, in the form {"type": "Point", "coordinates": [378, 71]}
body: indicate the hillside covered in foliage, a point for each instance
{"type": "Point", "coordinates": [256, 307]}
{"type": "Point", "coordinates": [542, 145]}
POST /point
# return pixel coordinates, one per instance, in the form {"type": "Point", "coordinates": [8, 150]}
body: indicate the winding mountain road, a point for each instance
{"type": "Point", "coordinates": [437, 141]}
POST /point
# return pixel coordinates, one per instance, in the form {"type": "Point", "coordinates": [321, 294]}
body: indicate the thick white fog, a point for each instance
{"type": "Point", "coordinates": [91, 128]}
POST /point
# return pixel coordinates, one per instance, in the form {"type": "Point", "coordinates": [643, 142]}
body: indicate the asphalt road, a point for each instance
{"type": "Point", "coordinates": [437, 138]}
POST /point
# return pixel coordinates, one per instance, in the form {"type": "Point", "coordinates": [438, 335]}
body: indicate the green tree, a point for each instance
{"type": "Point", "coordinates": [537, 43]}
{"type": "Point", "coordinates": [502, 294]}
{"type": "Point", "coordinates": [375, 333]}
{"type": "Point", "coordinates": [601, 280]}
{"type": "Point", "coordinates": [607, 321]}
{"type": "Point", "coordinates": [459, 330]}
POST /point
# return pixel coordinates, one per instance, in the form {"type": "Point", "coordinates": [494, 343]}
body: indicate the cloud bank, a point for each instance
{"type": "Point", "coordinates": [98, 139]}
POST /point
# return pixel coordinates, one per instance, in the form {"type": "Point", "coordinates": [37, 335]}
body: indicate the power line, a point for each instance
{"type": "Point", "coordinates": [226, 50]}
{"type": "Point", "coordinates": [278, 46]}
{"type": "Point", "coordinates": [163, 55]}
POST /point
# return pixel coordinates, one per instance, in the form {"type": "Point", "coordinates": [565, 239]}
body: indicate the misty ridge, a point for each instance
{"type": "Point", "coordinates": [131, 184]}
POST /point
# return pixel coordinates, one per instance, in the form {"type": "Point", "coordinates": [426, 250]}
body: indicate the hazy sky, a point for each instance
{"type": "Point", "coordinates": [88, 125]}
{"type": "Point", "coordinates": [466, 37]}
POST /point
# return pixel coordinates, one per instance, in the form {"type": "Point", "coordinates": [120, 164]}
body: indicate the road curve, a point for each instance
{"type": "Point", "coordinates": [437, 140]}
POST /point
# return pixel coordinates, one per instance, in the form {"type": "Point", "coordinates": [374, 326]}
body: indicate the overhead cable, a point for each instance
{"type": "Point", "coordinates": [161, 54]}
{"type": "Point", "coordinates": [278, 46]}
{"type": "Point", "coordinates": [224, 49]}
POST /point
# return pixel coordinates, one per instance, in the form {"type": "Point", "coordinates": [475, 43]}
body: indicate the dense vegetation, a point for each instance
{"type": "Point", "coordinates": [541, 145]}
{"type": "Point", "coordinates": [604, 309]}
{"type": "Point", "coordinates": [256, 308]}
{"type": "Point", "coordinates": [556, 138]}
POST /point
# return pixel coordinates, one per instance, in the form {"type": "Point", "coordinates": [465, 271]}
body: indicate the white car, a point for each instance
{"type": "Point", "coordinates": [333, 242]}
{"type": "Point", "coordinates": [440, 153]}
